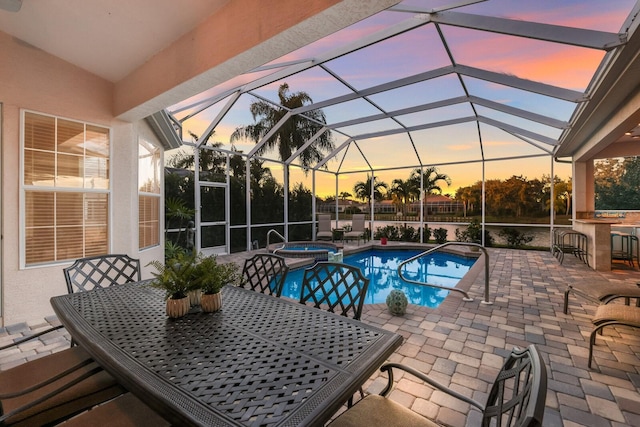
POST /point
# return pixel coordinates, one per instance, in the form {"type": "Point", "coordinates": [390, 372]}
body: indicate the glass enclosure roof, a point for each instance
{"type": "Point", "coordinates": [428, 83]}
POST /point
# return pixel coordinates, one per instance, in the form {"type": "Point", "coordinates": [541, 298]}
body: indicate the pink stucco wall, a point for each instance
{"type": "Point", "coordinates": [34, 80]}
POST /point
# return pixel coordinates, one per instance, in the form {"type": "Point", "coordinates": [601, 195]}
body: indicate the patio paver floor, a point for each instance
{"type": "Point", "coordinates": [462, 344]}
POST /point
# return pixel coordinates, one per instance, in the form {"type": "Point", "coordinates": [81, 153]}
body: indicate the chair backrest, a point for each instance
{"type": "Point", "coordinates": [338, 287]}
{"type": "Point", "coordinates": [357, 222]}
{"type": "Point", "coordinates": [518, 395]}
{"type": "Point", "coordinates": [101, 271]}
{"type": "Point", "coordinates": [324, 223]}
{"type": "Point", "coordinates": [265, 273]}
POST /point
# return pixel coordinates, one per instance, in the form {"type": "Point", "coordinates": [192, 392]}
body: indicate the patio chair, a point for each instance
{"type": "Point", "coordinates": [265, 273]}
{"type": "Point", "coordinates": [357, 228]}
{"type": "Point", "coordinates": [517, 397]}
{"type": "Point", "coordinates": [338, 287]}
{"type": "Point", "coordinates": [612, 315]}
{"type": "Point", "coordinates": [123, 411]}
{"type": "Point", "coordinates": [101, 271]}
{"type": "Point", "coordinates": [324, 228]}
{"type": "Point", "coordinates": [603, 293]}
{"type": "Point", "coordinates": [53, 388]}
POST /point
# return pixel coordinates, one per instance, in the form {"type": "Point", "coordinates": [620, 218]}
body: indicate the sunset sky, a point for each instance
{"type": "Point", "coordinates": [420, 50]}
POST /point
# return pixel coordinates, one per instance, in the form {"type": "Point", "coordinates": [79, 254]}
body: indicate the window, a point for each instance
{"type": "Point", "coordinates": [65, 173]}
{"type": "Point", "coordinates": [149, 169]}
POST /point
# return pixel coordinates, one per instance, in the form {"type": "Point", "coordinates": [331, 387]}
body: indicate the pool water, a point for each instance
{"type": "Point", "coordinates": [381, 268]}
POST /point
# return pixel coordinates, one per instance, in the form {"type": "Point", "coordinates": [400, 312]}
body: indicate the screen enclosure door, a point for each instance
{"type": "Point", "coordinates": [213, 228]}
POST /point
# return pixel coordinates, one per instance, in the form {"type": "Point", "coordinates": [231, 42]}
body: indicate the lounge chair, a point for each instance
{"type": "Point", "coordinates": [357, 228]}
{"type": "Point", "coordinates": [52, 388]}
{"type": "Point", "coordinates": [324, 228]}
{"type": "Point", "coordinates": [603, 293]}
{"type": "Point", "coordinates": [124, 411]}
{"type": "Point", "coordinates": [517, 397]}
{"type": "Point", "coordinates": [611, 315]}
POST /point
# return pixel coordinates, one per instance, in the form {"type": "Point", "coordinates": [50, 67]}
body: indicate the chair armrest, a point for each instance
{"type": "Point", "coordinates": [389, 366]}
{"type": "Point", "coordinates": [51, 394]}
{"type": "Point", "coordinates": [30, 337]}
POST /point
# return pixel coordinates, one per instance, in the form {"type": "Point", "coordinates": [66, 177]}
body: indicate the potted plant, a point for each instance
{"type": "Point", "coordinates": [175, 277]}
{"type": "Point", "coordinates": [212, 276]}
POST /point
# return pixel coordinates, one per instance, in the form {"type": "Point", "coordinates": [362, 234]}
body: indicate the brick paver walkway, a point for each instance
{"type": "Point", "coordinates": [462, 344]}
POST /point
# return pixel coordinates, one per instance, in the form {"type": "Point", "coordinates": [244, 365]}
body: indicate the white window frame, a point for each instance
{"type": "Point", "coordinates": [141, 141]}
{"type": "Point", "coordinates": [24, 188]}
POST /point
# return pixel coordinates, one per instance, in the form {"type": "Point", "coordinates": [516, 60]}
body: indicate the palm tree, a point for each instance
{"type": "Point", "coordinates": [291, 135]}
{"type": "Point", "coordinates": [210, 160]}
{"type": "Point", "coordinates": [403, 192]}
{"type": "Point", "coordinates": [430, 178]}
{"type": "Point", "coordinates": [363, 189]}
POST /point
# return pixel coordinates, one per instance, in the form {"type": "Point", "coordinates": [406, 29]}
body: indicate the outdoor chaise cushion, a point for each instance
{"type": "Point", "coordinates": [611, 315]}
{"type": "Point", "coordinates": [603, 293]}
{"type": "Point", "coordinates": [26, 385]}
{"type": "Point", "coordinates": [123, 411]}
{"type": "Point", "coordinates": [324, 228]}
{"type": "Point", "coordinates": [516, 398]}
{"type": "Point", "coordinates": [357, 228]}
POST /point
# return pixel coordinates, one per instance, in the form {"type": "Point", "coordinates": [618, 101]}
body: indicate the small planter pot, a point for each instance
{"type": "Point", "coordinates": [194, 297]}
{"type": "Point", "coordinates": [211, 302]}
{"type": "Point", "coordinates": [178, 307]}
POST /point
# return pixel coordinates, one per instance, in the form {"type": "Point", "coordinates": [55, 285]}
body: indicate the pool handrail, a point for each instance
{"type": "Point", "coordinates": [466, 296]}
{"type": "Point", "coordinates": [273, 231]}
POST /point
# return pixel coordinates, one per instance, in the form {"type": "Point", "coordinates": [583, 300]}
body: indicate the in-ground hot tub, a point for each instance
{"type": "Point", "coordinates": [317, 250]}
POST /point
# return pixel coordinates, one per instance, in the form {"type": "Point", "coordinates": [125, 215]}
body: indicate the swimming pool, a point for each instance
{"type": "Point", "coordinates": [381, 268]}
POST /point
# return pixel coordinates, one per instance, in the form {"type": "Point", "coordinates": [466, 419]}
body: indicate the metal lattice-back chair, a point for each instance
{"type": "Point", "coordinates": [338, 287]}
{"type": "Point", "coordinates": [265, 273]}
{"type": "Point", "coordinates": [101, 271]}
{"type": "Point", "coordinates": [517, 397]}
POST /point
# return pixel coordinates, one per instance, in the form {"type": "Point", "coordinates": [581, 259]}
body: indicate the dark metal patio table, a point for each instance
{"type": "Point", "coordinates": [260, 360]}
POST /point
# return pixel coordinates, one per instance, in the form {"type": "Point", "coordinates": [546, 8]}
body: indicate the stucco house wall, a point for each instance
{"type": "Point", "coordinates": [34, 80]}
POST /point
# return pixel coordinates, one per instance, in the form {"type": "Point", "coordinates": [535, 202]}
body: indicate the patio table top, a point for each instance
{"type": "Point", "coordinates": [259, 361]}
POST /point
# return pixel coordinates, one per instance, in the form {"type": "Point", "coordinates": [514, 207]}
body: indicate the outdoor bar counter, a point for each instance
{"type": "Point", "coordinates": [598, 233]}
{"type": "Point", "coordinates": [260, 360]}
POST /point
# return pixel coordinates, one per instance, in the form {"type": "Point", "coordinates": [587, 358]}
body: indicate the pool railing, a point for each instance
{"type": "Point", "coordinates": [272, 231]}
{"type": "Point", "coordinates": [466, 296]}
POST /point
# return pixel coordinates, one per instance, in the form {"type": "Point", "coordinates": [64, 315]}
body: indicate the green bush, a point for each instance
{"type": "Point", "coordinates": [440, 234]}
{"type": "Point", "coordinates": [391, 232]}
{"type": "Point", "coordinates": [426, 234]}
{"type": "Point", "coordinates": [409, 234]}
{"type": "Point", "coordinates": [515, 238]}
{"type": "Point", "coordinates": [473, 234]}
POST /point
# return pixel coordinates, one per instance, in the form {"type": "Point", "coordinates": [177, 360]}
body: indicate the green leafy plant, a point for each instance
{"type": "Point", "coordinates": [473, 234]}
{"type": "Point", "coordinates": [175, 276]}
{"type": "Point", "coordinates": [211, 276]}
{"type": "Point", "coordinates": [409, 234]}
{"type": "Point", "coordinates": [390, 232]}
{"type": "Point", "coordinates": [440, 234]}
{"type": "Point", "coordinates": [172, 250]}
{"type": "Point", "coordinates": [514, 237]}
{"type": "Point", "coordinates": [426, 234]}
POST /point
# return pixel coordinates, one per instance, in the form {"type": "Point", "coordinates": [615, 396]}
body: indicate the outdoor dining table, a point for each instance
{"type": "Point", "coordinates": [259, 361]}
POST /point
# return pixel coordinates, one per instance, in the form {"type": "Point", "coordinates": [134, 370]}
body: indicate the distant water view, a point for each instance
{"type": "Point", "coordinates": [541, 235]}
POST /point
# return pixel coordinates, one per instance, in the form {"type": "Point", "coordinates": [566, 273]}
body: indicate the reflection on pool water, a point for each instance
{"type": "Point", "coordinates": [381, 268]}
